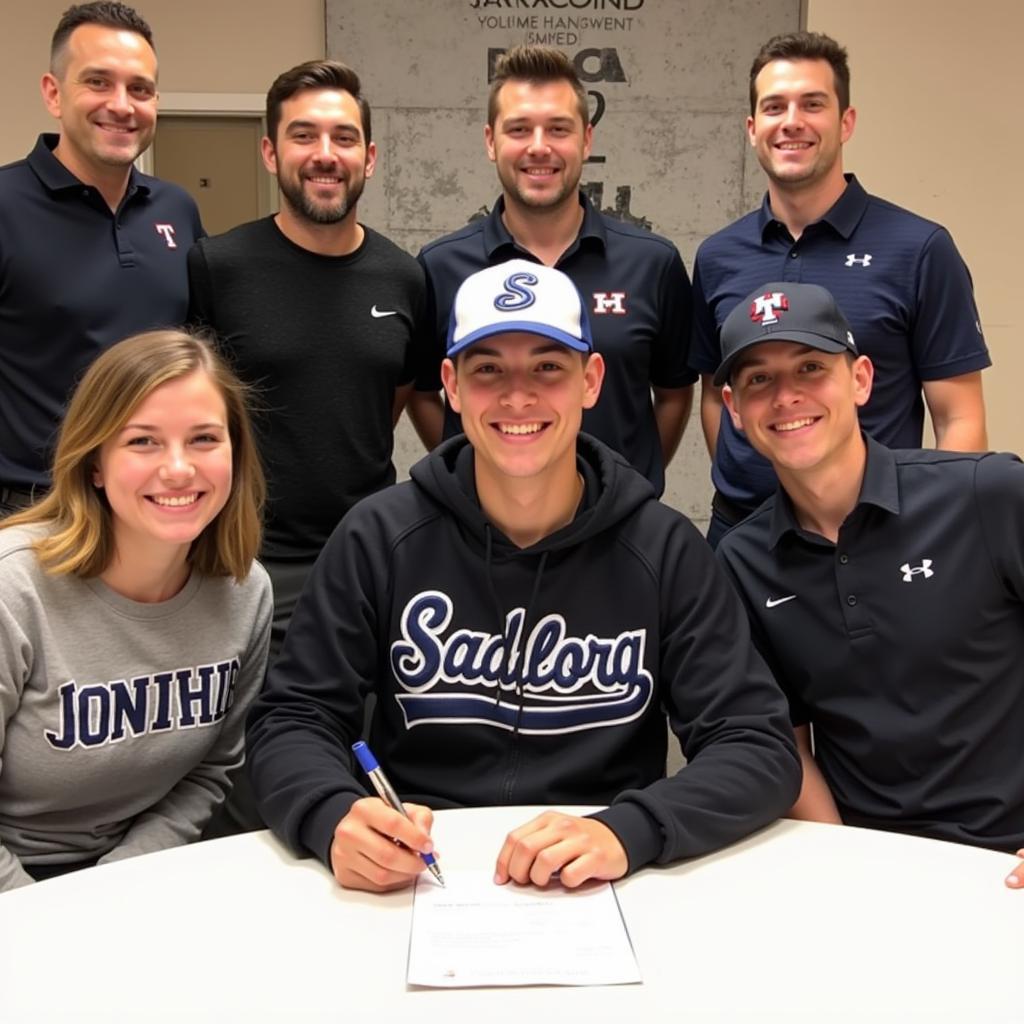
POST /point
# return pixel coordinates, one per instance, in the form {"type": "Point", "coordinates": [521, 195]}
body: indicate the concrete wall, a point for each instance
{"type": "Point", "coordinates": [669, 96]}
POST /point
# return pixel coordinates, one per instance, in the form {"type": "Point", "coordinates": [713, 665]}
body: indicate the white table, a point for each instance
{"type": "Point", "coordinates": [799, 922]}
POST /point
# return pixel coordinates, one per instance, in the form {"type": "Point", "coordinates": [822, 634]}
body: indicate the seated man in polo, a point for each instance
{"type": "Point", "coordinates": [526, 614]}
{"type": "Point", "coordinates": [885, 589]}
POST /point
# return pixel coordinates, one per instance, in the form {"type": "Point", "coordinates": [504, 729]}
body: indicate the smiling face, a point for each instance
{"type": "Point", "coordinates": [798, 406]}
{"type": "Point", "coordinates": [167, 472]}
{"type": "Point", "coordinates": [521, 398]}
{"type": "Point", "coordinates": [105, 99]}
{"type": "Point", "coordinates": [538, 143]}
{"type": "Point", "coordinates": [797, 129]}
{"type": "Point", "coordinates": [320, 155]}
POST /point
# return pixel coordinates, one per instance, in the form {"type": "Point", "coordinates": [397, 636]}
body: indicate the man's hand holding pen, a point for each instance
{"type": "Point", "coordinates": [365, 854]}
{"type": "Point", "coordinates": [383, 844]}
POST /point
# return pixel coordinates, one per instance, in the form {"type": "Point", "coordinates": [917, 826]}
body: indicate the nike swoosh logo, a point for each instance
{"type": "Point", "coordinates": [378, 313]}
{"type": "Point", "coordinates": [773, 601]}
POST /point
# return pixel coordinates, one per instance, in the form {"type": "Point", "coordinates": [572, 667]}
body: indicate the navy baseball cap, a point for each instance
{"type": "Point", "coordinates": [519, 296]}
{"type": "Point", "coordinates": [784, 311]}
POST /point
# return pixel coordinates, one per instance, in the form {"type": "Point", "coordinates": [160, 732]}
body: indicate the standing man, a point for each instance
{"type": "Point", "coordinates": [885, 588]}
{"type": "Point", "coordinates": [322, 316]}
{"type": "Point", "coordinates": [538, 136]}
{"type": "Point", "coordinates": [527, 614]}
{"type": "Point", "coordinates": [898, 277]}
{"type": "Point", "coordinates": [91, 250]}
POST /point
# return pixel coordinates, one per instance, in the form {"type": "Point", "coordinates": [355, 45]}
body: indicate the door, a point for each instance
{"type": "Point", "coordinates": [216, 159]}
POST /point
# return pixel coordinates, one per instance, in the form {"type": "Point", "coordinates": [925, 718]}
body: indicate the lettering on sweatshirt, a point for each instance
{"type": "Point", "coordinates": [95, 714]}
{"type": "Point", "coordinates": [546, 681]}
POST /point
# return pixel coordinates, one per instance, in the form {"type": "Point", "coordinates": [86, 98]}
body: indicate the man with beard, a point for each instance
{"type": "Point", "coordinates": [322, 316]}
{"type": "Point", "coordinates": [898, 277]}
{"type": "Point", "coordinates": [538, 136]}
{"type": "Point", "coordinates": [92, 250]}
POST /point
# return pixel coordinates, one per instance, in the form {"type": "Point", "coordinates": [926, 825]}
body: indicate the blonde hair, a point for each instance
{"type": "Point", "coordinates": [80, 539]}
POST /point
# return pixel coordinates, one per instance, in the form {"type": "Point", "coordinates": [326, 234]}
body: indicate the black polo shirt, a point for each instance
{"type": "Point", "coordinates": [639, 301]}
{"type": "Point", "coordinates": [898, 279]}
{"type": "Point", "coordinates": [903, 644]}
{"type": "Point", "coordinates": [74, 279]}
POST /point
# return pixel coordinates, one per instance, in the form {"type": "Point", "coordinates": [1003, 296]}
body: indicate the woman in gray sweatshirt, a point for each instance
{"type": "Point", "coordinates": [134, 622]}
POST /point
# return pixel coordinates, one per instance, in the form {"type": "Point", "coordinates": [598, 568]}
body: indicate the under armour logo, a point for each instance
{"type": "Point", "coordinates": [517, 294]}
{"type": "Point", "coordinates": [924, 569]}
{"type": "Point", "coordinates": [765, 308]}
{"type": "Point", "coordinates": [862, 261]}
{"type": "Point", "coordinates": [167, 230]}
{"type": "Point", "coordinates": [610, 302]}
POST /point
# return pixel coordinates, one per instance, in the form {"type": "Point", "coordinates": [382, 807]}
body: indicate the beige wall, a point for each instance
{"type": "Point", "coordinates": [204, 46]}
{"type": "Point", "coordinates": [937, 88]}
{"type": "Point", "coordinates": [936, 85]}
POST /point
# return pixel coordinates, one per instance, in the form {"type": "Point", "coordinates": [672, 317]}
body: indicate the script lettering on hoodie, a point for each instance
{"type": "Point", "coordinates": [561, 683]}
{"type": "Point", "coordinates": [186, 698]}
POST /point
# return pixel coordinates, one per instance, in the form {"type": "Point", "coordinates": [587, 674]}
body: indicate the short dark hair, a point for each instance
{"type": "Point", "coordinates": [537, 65]}
{"type": "Point", "coordinates": [315, 74]}
{"type": "Point", "coordinates": [100, 12]}
{"type": "Point", "coordinates": [804, 46]}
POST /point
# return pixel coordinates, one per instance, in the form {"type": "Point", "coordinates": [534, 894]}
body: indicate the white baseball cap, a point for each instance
{"type": "Point", "coordinates": [519, 296]}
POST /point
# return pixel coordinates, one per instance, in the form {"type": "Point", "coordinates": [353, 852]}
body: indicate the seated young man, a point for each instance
{"type": "Point", "coordinates": [884, 589]}
{"type": "Point", "coordinates": [526, 614]}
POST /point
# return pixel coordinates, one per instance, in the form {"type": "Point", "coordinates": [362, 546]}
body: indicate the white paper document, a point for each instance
{"type": "Point", "coordinates": [477, 933]}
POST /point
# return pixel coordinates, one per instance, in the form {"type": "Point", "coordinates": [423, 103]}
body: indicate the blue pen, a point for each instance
{"type": "Point", "coordinates": [387, 793]}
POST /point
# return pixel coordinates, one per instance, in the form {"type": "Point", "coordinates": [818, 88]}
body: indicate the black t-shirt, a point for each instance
{"type": "Point", "coordinates": [324, 341]}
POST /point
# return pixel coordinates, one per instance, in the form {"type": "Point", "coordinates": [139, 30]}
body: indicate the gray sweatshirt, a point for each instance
{"type": "Point", "coordinates": [119, 721]}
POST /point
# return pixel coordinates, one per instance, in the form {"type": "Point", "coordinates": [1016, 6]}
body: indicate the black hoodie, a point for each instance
{"type": "Point", "coordinates": [537, 675]}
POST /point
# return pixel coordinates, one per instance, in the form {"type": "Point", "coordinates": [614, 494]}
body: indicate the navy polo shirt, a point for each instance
{"type": "Point", "coordinates": [900, 282]}
{"type": "Point", "coordinates": [639, 301]}
{"type": "Point", "coordinates": [74, 279]}
{"type": "Point", "coordinates": [903, 644]}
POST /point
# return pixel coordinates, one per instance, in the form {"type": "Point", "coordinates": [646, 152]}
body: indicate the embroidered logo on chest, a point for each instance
{"type": "Point", "coordinates": [609, 302]}
{"type": "Point", "coordinates": [924, 570]}
{"type": "Point", "coordinates": [166, 232]}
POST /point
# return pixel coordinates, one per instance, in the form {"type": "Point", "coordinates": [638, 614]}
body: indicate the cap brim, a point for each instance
{"type": "Point", "coordinates": [815, 341]}
{"type": "Point", "coordinates": [521, 327]}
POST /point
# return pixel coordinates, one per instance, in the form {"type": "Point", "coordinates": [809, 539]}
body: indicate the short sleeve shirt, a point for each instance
{"type": "Point", "coordinates": [638, 299]}
{"type": "Point", "coordinates": [76, 277]}
{"type": "Point", "coordinates": [898, 279]}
